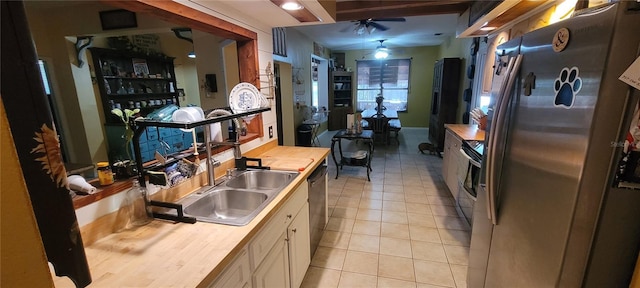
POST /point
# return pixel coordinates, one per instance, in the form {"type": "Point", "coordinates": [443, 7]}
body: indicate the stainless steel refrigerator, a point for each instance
{"type": "Point", "coordinates": [548, 212]}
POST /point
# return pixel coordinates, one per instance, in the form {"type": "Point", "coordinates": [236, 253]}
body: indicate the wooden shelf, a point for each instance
{"type": "Point", "coordinates": [338, 98]}
{"type": "Point", "coordinates": [136, 78]}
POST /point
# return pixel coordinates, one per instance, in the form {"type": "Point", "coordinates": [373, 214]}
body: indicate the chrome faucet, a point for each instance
{"type": "Point", "coordinates": [237, 153]}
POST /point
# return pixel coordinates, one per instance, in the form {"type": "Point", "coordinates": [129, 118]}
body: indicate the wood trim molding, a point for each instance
{"type": "Point", "coordinates": [364, 9]}
{"type": "Point", "coordinates": [248, 62]}
{"type": "Point", "coordinates": [182, 15]}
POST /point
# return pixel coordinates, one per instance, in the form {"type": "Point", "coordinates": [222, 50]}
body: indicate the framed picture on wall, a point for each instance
{"type": "Point", "coordinates": [181, 92]}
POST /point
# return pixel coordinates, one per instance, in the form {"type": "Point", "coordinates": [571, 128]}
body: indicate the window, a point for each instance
{"type": "Point", "coordinates": [46, 81]}
{"type": "Point", "coordinates": [279, 37]}
{"type": "Point", "coordinates": [314, 82]}
{"type": "Point", "coordinates": [387, 77]}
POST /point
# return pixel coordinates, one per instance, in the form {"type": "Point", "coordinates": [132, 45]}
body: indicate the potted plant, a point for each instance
{"type": "Point", "coordinates": [126, 168]}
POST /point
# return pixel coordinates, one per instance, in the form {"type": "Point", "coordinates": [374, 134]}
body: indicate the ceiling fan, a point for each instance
{"type": "Point", "coordinates": [370, 25]}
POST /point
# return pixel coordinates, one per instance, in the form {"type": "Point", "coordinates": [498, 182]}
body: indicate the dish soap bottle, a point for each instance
{"type": "Point", "coordinates": [135, 207]}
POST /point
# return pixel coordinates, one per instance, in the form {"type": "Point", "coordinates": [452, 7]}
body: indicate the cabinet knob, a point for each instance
{"type": "Point", "coordinates": [294, 230]}
{"type": "Point", "coordinates": [289, 216]}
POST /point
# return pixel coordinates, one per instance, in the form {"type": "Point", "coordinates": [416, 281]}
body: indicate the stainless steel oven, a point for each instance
{"type": "Point", "coordinates": [469, 164]}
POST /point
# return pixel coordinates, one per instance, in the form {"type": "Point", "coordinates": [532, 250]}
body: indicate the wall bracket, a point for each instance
{"type": "Point", "coordinates": [82, 42]}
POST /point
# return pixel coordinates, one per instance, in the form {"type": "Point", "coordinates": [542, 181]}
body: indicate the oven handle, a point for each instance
{"type": "Point", "coordinates": [473, 162]}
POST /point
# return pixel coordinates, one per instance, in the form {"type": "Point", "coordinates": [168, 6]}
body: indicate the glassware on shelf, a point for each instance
{"type": "Point", "coordinates": [121, 89]}
{"type": "Point", "coordinates": [107, 88]}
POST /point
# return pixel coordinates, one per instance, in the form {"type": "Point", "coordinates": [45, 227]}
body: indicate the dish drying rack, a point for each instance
{"type": "Point", "coordinates": [141, 125]}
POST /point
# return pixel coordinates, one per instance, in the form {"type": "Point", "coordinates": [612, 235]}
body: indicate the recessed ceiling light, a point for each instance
{"type": "Point", "coordinates": [290, 5]}
{"type": "Point", "coordinates": [487, 28]}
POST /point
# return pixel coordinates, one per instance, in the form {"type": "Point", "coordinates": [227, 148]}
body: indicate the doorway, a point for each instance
{"type": "Point", "coordinates": [319, 82]}
{"type": "Point", "coordinates": [284, 103]}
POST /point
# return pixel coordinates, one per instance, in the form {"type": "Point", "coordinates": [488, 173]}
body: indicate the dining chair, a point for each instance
{"type": "Point", "coordinates": [380, 126]}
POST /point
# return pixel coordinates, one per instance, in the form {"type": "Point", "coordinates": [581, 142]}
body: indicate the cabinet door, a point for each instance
{"type": "Point", "coordinates": [446, 156]}
{"type": "Point", "coordinates": [274, 270]}
{"type": "Point", "coordinates": [452, 145]}
{"type": "Point", "coordinates": [236, 275]}
{"type": "Point", "coordinates": [299, 246]}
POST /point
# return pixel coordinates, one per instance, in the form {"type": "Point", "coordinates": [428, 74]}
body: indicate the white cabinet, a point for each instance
{"type": "Point", "coordinates": [290, 225]}
{"type": "Point", "coordinates": [279, 254]}
{"type": "Point", "coordinates": [274, 270]}
{"type": "Point", "coordinates": [452, 145]}
{"type": "Point", "coordinates": [237, 274]}
{"type": "Point", "coordinates": [299, 246]}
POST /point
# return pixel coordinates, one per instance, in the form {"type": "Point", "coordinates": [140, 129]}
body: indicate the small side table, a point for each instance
{"type": "Point", "coordinates": [366, 137]}
{"type": "Point", "coordinates": [314, 131]}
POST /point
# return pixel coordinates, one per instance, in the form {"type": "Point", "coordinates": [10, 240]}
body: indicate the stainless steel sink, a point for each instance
{"type": "Point", "coordinates": [227, 205]}
{"type": "Point", "coordinates": [261, 180]}
{"type": "Point", "coordinates": [237, 201]}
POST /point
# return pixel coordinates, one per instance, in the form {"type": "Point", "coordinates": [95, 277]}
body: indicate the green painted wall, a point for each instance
{"type": "Point", "coordinates": [421, 82]}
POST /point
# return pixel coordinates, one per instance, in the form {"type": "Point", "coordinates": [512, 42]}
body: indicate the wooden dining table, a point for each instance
{"type": "Point", "coordinates": [389, 114]}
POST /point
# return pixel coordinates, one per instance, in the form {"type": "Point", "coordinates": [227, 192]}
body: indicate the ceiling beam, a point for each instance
{"type": "Point", "coordinates": [364, 9]}
{"type": "Point", "coordinates": [179, 14]}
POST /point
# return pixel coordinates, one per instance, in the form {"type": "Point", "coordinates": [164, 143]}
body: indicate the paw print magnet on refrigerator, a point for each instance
{"type": "Point", "coordinates": [566, 87]}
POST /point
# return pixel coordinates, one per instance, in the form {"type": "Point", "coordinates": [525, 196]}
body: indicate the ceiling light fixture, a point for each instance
{"type": "Point", "coordinates": [381, 54]}
{"type": "Point", "coordinates": [488, 28]}
{"type": "Point", "coordinates": [381, 51]}
{"type": "Point", "coordinates": [191, 55]}
{"type": "Point", "coordinates": [291, 6]}
{"type": "Point", "coordinates": [296, 10]}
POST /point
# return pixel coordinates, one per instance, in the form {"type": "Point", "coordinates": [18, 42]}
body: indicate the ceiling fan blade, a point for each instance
{"type": "Point", "coordinates": [378, 26]}
{"type": "Point", "coordinates": [399, 19]}
{"type": "Point", "coordinates": [348, 28]}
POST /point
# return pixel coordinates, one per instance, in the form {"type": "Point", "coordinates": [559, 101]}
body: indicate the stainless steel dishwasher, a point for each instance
{"type": "Point", "coordinates": [317, 204]}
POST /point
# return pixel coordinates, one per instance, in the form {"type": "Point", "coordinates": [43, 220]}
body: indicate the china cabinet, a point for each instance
{"type": "Point", "coordinates": [129, 80]}
{"type": "Point", "coordinates": [340, 99]}
{"type": "Point", "coordinates": [444, 99]}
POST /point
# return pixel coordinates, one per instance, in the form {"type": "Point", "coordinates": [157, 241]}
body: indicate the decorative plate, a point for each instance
{"type": "Point", "coordinates": [244, 97]}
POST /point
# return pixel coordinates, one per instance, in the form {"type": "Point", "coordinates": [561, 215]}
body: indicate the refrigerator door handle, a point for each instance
{"type": "Point", "coordinates": [498, 127]}
{"type": "Point", "coordinates": [490, 141]}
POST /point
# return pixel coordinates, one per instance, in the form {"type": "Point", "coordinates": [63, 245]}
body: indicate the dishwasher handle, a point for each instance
{"type": "Point", "coordinates": [317, 175]}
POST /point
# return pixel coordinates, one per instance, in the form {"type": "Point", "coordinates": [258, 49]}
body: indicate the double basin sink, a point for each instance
{"type": "Point", "coordinates": [239, 199]}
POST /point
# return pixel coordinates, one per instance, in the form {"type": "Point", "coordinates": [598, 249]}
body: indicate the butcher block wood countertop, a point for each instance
{"type": "Point", "coordinates": [466, 132]}
{"type": "Point", "coordinates": [166, 254]}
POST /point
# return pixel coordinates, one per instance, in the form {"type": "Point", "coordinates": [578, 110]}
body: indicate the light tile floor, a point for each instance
{"type": "Point", "coordinates": [399, 230]}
